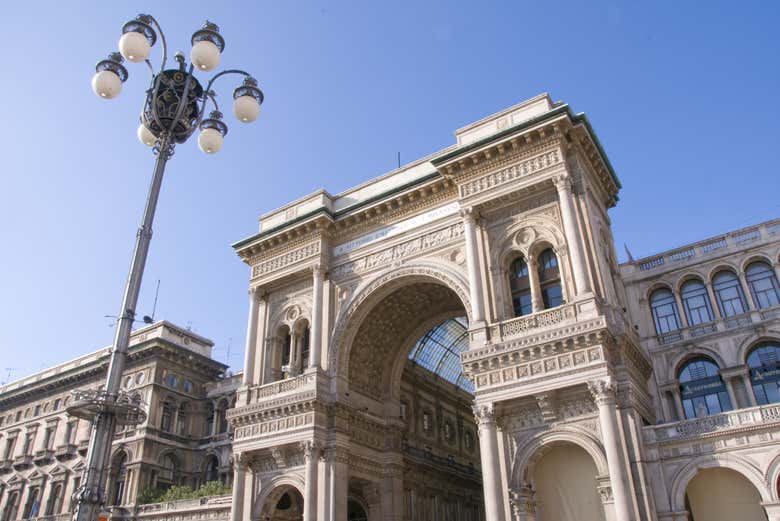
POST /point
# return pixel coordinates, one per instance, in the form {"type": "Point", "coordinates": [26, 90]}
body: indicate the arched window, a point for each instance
{"type": "Point", "coordinates": [182, 419]}
{"type": "Point", "coordinates": [696, 303]}
{"type": "Point", "coordinates": [211, 472]}
{"type": "Point", "coordinates": [11, 506]}
{"type": "Point", "coordinates": [305, 334]}
{"type": "Point", "coordinates": [166, 421]}
{"type": "Point", "coordinates": [702, 389]}
{"type": "Point", "coordinates": [664, 311]}
{"type": "Point", "coordinates": [118, 477]}
{"type": "Point", "coordinates": [728, 292]}
{"type": "Point", "coordinates": [54, 505]}
{"type": "Point", "coordinates": [285, 357]}
{"type": "Point", "coordinates": [520, 285]}
{"type": "Point", "coordinates": [168, 473]}
{"type": "Point", "coordinates": [764, 363]}
{"type": "Point", "coordinates": [763, 284]}
{"type": "Point", "coordinates": [33, 503]}
{"type": "Point", "coordinates": [210, 419]}
{"type": "Point", "coordinates": [550, 279]}
{"type": "Point", "coordinates": [221, 416]}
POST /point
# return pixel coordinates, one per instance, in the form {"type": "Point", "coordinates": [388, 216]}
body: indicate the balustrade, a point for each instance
{"type": "Point", "coordinates": [764, 415]}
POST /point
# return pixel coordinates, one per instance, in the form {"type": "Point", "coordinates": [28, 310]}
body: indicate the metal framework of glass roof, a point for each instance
{"type": "Point", "coordinates": [439, 351]}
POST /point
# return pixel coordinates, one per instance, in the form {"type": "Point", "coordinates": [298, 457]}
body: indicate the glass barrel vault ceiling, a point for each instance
{"type": "Point", "coordinates": [439, 351]}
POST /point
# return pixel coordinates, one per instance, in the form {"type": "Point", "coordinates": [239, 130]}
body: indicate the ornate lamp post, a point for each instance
{"type": "Point", "coordinates": [174, 108]}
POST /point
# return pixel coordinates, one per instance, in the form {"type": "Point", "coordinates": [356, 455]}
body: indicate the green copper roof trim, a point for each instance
{"type": "Point", "coordinates": [335, 215]}
{"type": "Point", "coordinates": [562, 109]}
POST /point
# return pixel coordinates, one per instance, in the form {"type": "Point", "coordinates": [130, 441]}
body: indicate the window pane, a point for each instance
{"type": "Point", "coordinates": [664, 310]}
{"type": "Point", "coordinates": [728, 293]}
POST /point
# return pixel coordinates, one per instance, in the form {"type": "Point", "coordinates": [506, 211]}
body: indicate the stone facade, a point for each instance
{"type": "Point", "coordinates": [580, 379]}
{"type": "Point", "coordinates": [596, 391]}
{"type": "Point", "coordinates": [184, 440]}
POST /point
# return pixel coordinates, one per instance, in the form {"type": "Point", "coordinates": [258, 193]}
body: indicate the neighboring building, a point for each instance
{"type": "Point", "coordinates": [642, 391]}
{"type": "Point", "coordinates": [453, 341]}
{"type": "Point", "coordinates": [184, 440]}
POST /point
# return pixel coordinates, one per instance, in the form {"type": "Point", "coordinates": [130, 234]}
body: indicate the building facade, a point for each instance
{"type": "Point", "coordinates": [452, 341]}
{"type": "Point", "coordinates": [183, 440]}
{"type": "Point", "coordinates": [587, 390]}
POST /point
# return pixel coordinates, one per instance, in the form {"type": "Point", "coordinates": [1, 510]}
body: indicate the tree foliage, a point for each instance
{"type": "Point", "coordinates": [176, 493]}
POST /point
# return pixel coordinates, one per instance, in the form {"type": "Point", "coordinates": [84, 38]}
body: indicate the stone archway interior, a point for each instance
{"type": "Point", "coordinates": [392, 321]}
{"type": "Point", "coordinates": [565, 482]}
{"type": "Point", "coordinates": [283, 504]}
{"type": "Point", "coordinates": [356, 512]}
{"type": "Point", "coordinates": [721, 494]}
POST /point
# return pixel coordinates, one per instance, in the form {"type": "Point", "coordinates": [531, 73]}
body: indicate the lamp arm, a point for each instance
{"type": "Point", "coordinates": [211, 82]}
{"type": "Point", "coordinates": [162, 40]}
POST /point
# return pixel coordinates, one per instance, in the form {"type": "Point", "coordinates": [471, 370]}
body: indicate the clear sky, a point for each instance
{"type": "Point", "coordinates": [681, 94]}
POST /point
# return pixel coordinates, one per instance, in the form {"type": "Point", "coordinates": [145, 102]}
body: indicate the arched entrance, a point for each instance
{"type": "Point", "coordinates": [723, 494]}
{"type": "Point", "coordinates": [284, 503]}
{"type": "Point", "coordinates": [401, 363]}
{"type": "Point", "coordinates": [564, 478]}
{"type": "Point", "coordinates": [355, 511]}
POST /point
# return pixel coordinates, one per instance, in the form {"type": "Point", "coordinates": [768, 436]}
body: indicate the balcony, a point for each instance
{"type": "Point", "coordinates": [716, 326]}
{"type": "Point", "coordinates": [43, 455]}
{"type": "Point", "coordinates": [24, 460]}
{"type": "Point", "coordinates": [65, 451]}
{"type": "Point", "coordinates": [742, 420]}
{"type": "Point", "coordinates": [83, 446]}
{"type": "Point", "coordinates": [214, 508]}
{"type": "Point", "coordinates": [6, 465]}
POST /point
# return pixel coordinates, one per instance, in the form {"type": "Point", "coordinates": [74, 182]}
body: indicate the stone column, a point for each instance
{"type": "Point", "coordinates": [338, 477]}
{"type": "Point", "coordinates": [746, 290]}
{"type": "Point", "coordinates": [572, 231]}
{"type": "Point", "coordinates": [472, 260]}
{"type": "Point", "coordinates": [315, 352]}
{"type": "Point", "coordinates": [749, 388]}
{"type": "Point", "coordinates": [713, 301]}
{"type": "Point", "coordinates": [680, 309]}
{"type": "Point", "coordinates": [537, 303]}
{"type": "Point", "coordinates": [604, 395]}
{"type": "Point", "coordinates": [675, 390]}
{"type": "Point", "coordinates": [251, 338]}
{"type": "Point", "coordinates": [730, 390]}
{"type": "Point", "coordinates": [488, 447]}
{"type": "Point", "coordinates": [772, 510]}
{"type": "Point", "coordinates": [311, 453]}
{"type": "Point", "coordinates": [522, 503]}
{"type": "Point", "coordinates": [239, 479]}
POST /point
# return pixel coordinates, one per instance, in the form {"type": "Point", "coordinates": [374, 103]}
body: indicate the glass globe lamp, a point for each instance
{"type": "Point", "coordinates": [212, 133]}
{"type": "Point", "coordinates": [134, 47]}
{"type": "Point", "coordinates": [207, 47]}
{"type": "Point", "coordinates": [146, 136]}
{"type": "Point", "coordinates": [109, 76]}
{"type": "Point", "coordinates": [246, 101]}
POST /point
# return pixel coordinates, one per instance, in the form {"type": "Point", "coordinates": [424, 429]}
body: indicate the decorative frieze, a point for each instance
{"type": "Point", "coordinates": [274, 426]}
{"type": "Point", "coordinates": [282, 261]}
{"type": "Point", "coordinates": [512, 173]}
{"type": "Point", "coordinates": [544, 367]}
{"type": "Point", "coordinates": [388, 256]}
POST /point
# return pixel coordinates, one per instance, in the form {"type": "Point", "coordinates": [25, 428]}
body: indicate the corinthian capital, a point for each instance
{"type": "Point", "coordinates": [562, 182]}
{"type": "Point", "coordinates": [603, 391]}
{"type": "Point", "coordinates": [258, 293]}
{"type": "Point", "coordinates": [309, 448]}
{"type": "Point", "coordinates": [468, 214]}
{"type": "Point", "coordinates": [485, 414]}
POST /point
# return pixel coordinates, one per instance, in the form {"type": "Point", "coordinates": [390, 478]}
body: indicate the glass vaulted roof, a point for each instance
{"type": "Point", "coordinates": [439, 351]}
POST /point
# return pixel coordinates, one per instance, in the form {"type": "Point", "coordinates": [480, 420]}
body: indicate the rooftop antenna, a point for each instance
{"type": "Point", "coordinates": [628, 252]}
{"type": "Point", "coordinates": [147, 318]}
{"type": "Point", "coordinates": [8, 374]}
{"type": "Point", "coordinates": [399, 159]}
{"type": "Point", "coordinates": [227, 355]}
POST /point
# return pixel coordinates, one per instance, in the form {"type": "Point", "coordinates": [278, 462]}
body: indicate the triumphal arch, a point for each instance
{"type": "Point", "coordinates": [447, 341]}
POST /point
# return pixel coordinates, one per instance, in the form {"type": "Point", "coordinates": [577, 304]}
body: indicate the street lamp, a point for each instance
{"type": "Point", "coordinates": [174, 108]}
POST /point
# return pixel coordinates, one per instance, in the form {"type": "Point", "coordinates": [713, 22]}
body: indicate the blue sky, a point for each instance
{"type": "Point", "coordinates": [681, 94]}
